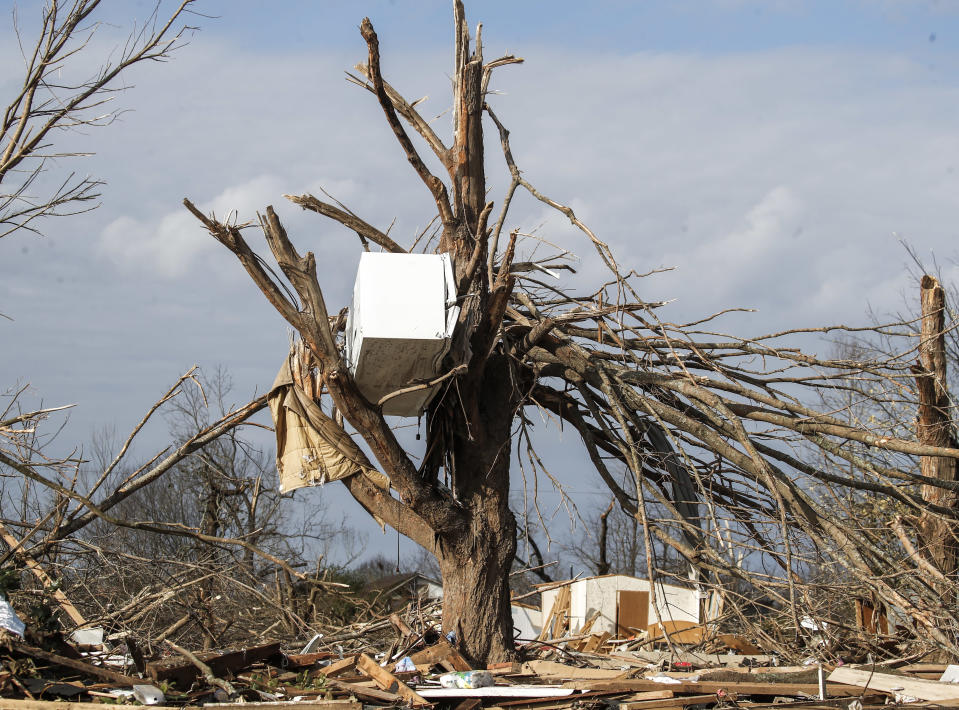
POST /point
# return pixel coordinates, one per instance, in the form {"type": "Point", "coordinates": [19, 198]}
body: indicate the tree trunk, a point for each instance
{"type": "Point", "coordinates": [476, 595]}
{"type": "Point", "coordinates": [937, 536]}
{"type": "Point", "coordinates": [475, 560]}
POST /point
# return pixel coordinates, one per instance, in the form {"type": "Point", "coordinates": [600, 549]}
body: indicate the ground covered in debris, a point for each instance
{"type": "Point", "coordinates": [400, 659]}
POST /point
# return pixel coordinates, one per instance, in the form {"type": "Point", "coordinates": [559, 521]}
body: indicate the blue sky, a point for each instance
{"type": "Point", "coordinates": [615, 27]}
{"type": "Point", "coordinates": [773, 152]}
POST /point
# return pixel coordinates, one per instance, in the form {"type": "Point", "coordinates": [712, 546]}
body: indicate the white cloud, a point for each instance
{"type": "Point", "coordinates": [171, 245]}
{"type": "Point", "coordinates": [174, 245]}
{"type": "Point", "coordinates": [771, 179]}
{"type": "Point", "coordinates": [761, 243]}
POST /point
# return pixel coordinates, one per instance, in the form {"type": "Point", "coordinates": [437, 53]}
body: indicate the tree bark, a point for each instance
{"type": "Point", "coordinates": [473, 422]}
{"type": "Point", "coordinates": [475, 560]}
{"type": "Point", "coordinates": [476, 596]}
{"type": "Point", "coordinates": [937, 536]}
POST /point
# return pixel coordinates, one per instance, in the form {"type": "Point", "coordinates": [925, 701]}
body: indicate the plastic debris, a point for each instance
{"type": "Point", "coordinates": [148, 694]}
{"type": "Point", "coordinates": [9, 619]}
{"type": "Point", "coordinates": [467, 680]}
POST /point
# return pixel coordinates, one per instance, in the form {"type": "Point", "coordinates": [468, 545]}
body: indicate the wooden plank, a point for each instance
{"type": "Point", "coordinates": [305, 660]}
{"type": "Point", "coordinates": [667, 703]}
{"type": "Point", "coordinates": [507, 668]}
{"type": "Point", "coordinates": [438, 653]}
{"type": "Point", "coordinates": [704, 687]}
{"type": "Point", "coordinates": [277, 705]}
{"type": "Point", "coordinates": [432, 654]}
{"type": "Point", "coordinates": [595, 642]}
{"type": "Point", "coordinates": [352, 676]}
{"type": "Point", "coordinates": [583, 630]}
{"type": "Point", "coordinates": [469, 704]}
{"type": "Point", "coordinates": [560, 604]}
{"type": "Point", "coordinates": [581, 700]}
{"type": "Point", "coordinates": [499, 691]}
{"type": "Point", "coordinates": [89, 669]}
{"type": "Point", "coordinates": [939, 668]}
{"type": "Point", "coordinates": [13, 704]}
{"type": "Point", "coordinates": [458, 662]}
{"type": "Point", "coordinates": [587, 700]}
{"type": "Point", "coordinates": [678, 632]}
{"type": "Point", "coordinates": [922, 689]}
{"type": "Point", "coordinates": [339, 667]}
{"type": "Point", "coordinates": [588, 626]}
{"type": "Point", "coordinates": [364, 692]}
{"type": "Point", "coordinates": [400, 625]}
{"type": "Point", "coordinates": [650, 695]}
{"type": "Point", "coordinates": [737, 643]}
{"type": "Point", "coordinates": [552, 669]}
{"type": "Point", "coordinates": [561, 621]}
{"type": "Point", "coordinates": [389, 682]}
{"type": "Point", "coordinates": [183, 672]}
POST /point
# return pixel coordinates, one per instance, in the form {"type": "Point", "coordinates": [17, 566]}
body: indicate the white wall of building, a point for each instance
{"type": "Point", "coordinates": [527, 622]}
{"type": "Point", "coordinates": [593, 594]}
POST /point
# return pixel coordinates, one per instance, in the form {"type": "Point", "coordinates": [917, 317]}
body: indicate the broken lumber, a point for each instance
{"type": "Point", "coordinates": [82, 666]}
{"type": "Point", "coordinates": [400, 625]}
{"type": "Point", "coordinates": [278, 705]}
{"type": "Point", "coordinates": [506, 668]}
{"type": "Point", "coordinates": [595, 642]}
{"type": "Point", "coordinates": [558, 614]}
{"type": "Point", "coordinates": [41, 574]}
{"type": "Point", "coordinates": [439, 652]}
{"type": "Point", "coordinates": [707, 687]}
{"type": "Point", "coordinates": [183, 673]}
{"type": "Point", "coordinates": [738, 643]}
{"type": "Point", "coordinates": [538, 692]}
{"type": "Point", "coordinates": [339, 667]}
{"type": "Point", "coordinates": [306, 660]}
{"type": "Point", "coordinates": [389, 682]}
{"type": "Point", "coordinates": [12, 704]}
{"type": "Point", "coordinates": [584, 630]}
{"type": "Point", "coordinates": [678, 703]}
{"type": "Point", "coordinates": [581, 700]}
{"type": "Point", "coordinates": [552, 669]}
{"type": "Point", "coordinates": [916, 687]}
{"type": "Point", "coordinates": [362, 691]}
{"type": "Point", "coordinates": [678, 632]}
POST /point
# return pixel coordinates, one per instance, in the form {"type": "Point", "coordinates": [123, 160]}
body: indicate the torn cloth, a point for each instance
{"type": "Point", "coordinates": [310, 448]}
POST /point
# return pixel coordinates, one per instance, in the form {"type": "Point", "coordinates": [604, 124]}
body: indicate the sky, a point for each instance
{"type": "Point", "coordinates": [773, 154]}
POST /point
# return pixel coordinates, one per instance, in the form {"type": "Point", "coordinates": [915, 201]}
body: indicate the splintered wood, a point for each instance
{"type": "Point", "coordinates": [556, 622]}
{"type": "Point", "coordinates": [552, 681]}
{"type": "Point", "coordinates": [389, 682]}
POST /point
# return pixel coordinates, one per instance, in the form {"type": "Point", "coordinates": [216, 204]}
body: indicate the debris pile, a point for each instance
{"type": "Point", "coordinates": [401, 659]}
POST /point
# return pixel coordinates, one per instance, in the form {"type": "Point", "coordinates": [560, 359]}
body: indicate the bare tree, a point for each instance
{"type": "Point", "coordinates": [703, 438]}
{"type": "Point", "coordinates": [935, 428]}
{"type": "Point", "coordinates": [52, 97]}
{"type": "Point", "coordinates": [179, 536]}
{"type": "Point", "coordinates": [613, 543]}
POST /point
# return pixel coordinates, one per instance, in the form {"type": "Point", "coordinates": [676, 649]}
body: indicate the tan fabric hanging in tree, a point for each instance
{"type": "Point", "coordinates": [311, 448]}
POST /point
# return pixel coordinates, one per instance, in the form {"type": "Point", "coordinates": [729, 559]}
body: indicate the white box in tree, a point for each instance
{"type": "Point", "coordinates": [399, 326]}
